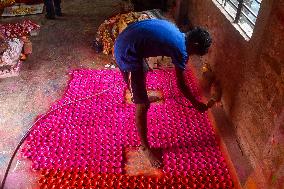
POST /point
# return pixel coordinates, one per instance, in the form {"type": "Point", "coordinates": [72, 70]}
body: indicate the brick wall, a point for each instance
{"type": "Point", "coordinates": [252, 78]}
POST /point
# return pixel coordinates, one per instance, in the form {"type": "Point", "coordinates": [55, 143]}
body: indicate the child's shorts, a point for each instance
{"type": "Point", "coordinates": [136, 82]}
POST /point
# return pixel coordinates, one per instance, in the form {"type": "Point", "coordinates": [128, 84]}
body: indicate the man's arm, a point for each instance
{"type": "Point", "coordinates": [187, 92]}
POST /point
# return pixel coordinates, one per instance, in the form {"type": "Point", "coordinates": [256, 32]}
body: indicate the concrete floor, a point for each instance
{"type": "Point", "coordinates": [62, 45]}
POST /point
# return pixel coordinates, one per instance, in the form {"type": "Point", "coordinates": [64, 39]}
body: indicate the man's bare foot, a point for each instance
{"type": "Point", "coordinates": [154, 99]}
{"type": "Point", "coordinates": [154, 160]}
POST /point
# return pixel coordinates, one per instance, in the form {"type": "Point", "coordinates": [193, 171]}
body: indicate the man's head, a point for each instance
{"type": "Point", "coordinates": [198, 41]}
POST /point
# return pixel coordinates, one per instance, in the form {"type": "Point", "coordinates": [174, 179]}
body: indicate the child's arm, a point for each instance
{"type": "Point", "coordinates": [187, 92]}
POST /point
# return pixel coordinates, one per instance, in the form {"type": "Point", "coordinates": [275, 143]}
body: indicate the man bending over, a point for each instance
{"type": "Point", "coordinates": [150, 38]}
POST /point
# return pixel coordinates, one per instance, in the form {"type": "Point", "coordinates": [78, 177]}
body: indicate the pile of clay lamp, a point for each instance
{"type": "Point", "coordinates": [19, 29]}
{"type": "Point", "coordinates": [15, 46]}
{"type": "Point", "coordinates": [82, 144]}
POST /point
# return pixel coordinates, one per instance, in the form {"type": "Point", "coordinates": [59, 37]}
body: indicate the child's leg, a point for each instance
{"type": "Point", "coordinates": [137, 86]}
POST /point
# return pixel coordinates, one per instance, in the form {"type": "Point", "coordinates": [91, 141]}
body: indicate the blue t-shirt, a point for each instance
{"type": "Point", "coordinates": [150, 38]}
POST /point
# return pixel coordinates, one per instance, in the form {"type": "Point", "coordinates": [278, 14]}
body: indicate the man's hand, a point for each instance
{"type": "Point", "coordinates": [201, 107]}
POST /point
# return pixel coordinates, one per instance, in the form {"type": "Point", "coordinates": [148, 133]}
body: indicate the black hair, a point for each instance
{"type": "Point", "coordinates": [201, 38]}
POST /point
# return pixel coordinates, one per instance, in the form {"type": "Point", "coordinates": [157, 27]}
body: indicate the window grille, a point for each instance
{"type": "Point", "coordinates": [243, 12]}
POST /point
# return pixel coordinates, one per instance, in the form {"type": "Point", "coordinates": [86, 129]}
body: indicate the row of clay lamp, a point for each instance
{"type": "Point", "coordinates": [78, 137]}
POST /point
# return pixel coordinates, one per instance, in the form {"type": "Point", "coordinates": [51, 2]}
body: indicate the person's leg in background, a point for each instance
{"type": "Point", "coordinates": [164, 5]}
{"type": "Point", "coordinates": [50, 14]}
{"type": "Point", "coordinates": [57, 5]}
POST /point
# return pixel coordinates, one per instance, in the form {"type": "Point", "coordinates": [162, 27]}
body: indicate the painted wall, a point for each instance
{"type": "Point", "coordinates": [252, 78]}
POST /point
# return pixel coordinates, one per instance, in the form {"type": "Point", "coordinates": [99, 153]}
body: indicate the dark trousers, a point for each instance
{"type": "Point", "coordinates": [52, 7]}
{"type": "Point", "coordinates": [141, 5]}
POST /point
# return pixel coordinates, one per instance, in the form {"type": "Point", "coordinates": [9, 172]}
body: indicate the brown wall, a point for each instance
{"type": "Point", "coordinates": [252, 78]}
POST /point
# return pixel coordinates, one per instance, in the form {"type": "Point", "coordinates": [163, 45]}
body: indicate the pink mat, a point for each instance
{"type": "Point", "coordinates": [90, 135]}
